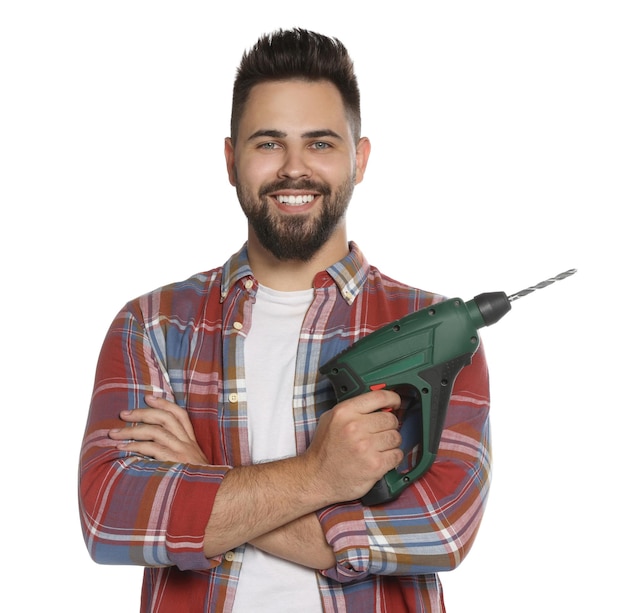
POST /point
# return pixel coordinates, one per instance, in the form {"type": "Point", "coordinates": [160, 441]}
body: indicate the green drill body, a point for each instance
{"type": "Point", "coordinates": [419, 357]}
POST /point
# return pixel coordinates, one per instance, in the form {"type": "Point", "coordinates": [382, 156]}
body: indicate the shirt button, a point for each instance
{"type": "Point", "coordinates": [248, 284]}
{"type": "Point", "coordinates": [230, 556]}
{"type": "Point", "coordinates": [238, 325]}
{"type": "Point", "coordinates": [233, 398]}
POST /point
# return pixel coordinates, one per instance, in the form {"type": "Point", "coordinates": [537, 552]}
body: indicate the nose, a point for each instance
{"type": "Point", "coordinates": [294, 165]}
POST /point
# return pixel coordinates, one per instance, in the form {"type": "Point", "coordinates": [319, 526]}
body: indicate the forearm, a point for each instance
{"type": "Point", "coordinates": [136, 510]}
{"type": "Point", "coordinates": [260, 502]}
{"type": "Point", "coordinates": [302, 541]}
{"type": "Point", "coordinates": [355, 444]}
{"type": "Point", "coordinates": [163, 432]}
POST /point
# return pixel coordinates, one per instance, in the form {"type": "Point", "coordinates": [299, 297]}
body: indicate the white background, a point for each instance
{"type": "Point", "coordinates": [498, 133]}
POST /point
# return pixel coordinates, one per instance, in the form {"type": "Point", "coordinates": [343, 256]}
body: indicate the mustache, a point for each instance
{"type": "Point", "coordinates": [286, 184]}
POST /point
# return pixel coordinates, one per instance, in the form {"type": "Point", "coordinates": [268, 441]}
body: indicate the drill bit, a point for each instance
{"type": "Point", "coordinates": [529, 290]}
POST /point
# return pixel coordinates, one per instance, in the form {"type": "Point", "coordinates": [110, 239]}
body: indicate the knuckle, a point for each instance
{"type": "Point", "coordinates": [361, 447]}
{"type": "Point", "coordinates": [388, 420]}
{"type": "Point", "coordinates": [340, 410]}
{"type": "Point", "coordinates": [350, 429]}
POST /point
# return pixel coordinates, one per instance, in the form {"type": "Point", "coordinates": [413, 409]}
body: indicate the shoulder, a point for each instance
{"type": "Point", "coordinates": [181, 301]}
{"type": "Point", "coordinates": [383, 288]}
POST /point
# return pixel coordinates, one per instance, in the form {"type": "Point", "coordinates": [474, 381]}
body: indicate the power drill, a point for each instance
{"type": "Point", "coordinates": [420, 357]}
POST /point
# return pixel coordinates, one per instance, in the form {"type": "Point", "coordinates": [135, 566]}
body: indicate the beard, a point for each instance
{"type": "Point", "coordinates": [295, 236]}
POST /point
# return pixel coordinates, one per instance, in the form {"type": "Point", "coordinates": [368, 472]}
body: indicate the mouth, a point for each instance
{"type": "Point", "coordinates": [292, 200]}
{"type": "Point", "coordinates": [295, 201]}
{"type": "Point", "coordinates": [295, 197]}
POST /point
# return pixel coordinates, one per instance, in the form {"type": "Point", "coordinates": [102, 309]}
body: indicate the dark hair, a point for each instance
{"type": "Point", "coordinates": [297, 54]}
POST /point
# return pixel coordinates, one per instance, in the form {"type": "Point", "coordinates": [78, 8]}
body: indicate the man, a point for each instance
{"type": "Point", "coordinates": [236, 479]}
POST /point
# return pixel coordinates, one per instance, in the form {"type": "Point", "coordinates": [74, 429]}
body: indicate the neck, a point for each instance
{"type": "Point", "coordinates": [293, 275]}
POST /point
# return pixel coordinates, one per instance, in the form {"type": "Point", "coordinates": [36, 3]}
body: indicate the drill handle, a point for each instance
{"type": "Point", "coordinates": [419, 355]}
{"type": "Point", "coordinates": [427, 416]}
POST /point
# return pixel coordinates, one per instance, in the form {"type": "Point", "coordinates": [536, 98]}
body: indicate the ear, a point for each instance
{"type": "Point", "coordinates": [229, 154]}
{"type": "Point", "coordinates": [363, 149]}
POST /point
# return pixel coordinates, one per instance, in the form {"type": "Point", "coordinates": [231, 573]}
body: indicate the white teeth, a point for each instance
{"type": "Point", "coordinates": [295, 199]}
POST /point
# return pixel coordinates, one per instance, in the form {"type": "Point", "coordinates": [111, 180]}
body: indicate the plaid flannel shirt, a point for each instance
{"type": "Point", "coordinates": [185, 343]}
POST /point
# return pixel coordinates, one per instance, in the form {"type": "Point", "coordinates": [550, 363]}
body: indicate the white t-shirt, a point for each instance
{"type": "Point", "coordinates": [268, 584]}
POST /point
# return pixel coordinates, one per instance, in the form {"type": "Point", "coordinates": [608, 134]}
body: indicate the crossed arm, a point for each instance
{"type": "Point", "coordinates": [355, 445]}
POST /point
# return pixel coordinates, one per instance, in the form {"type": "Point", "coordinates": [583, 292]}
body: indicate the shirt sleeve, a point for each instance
{"type": "Point", "coordinates": [432, 525]}
{"type": "Point", "coordinates": [135, 510]}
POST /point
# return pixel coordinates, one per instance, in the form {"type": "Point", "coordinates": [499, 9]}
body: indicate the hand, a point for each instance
{"type": "Point", "coordinates": [355, 444]}
{"type": "Point", "coordinates": [163, 432]}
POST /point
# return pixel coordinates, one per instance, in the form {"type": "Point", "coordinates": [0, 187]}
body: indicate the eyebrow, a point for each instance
{"type": "Point", "coordinates": [321, 134]}
{"type": "Point", "coordinates": [280, 134]}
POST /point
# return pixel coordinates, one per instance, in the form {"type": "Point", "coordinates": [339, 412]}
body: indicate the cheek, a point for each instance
{"type": "Point", "coordinates": [338, 174]}
{"type": "Point", "coordinates": [257, 172]}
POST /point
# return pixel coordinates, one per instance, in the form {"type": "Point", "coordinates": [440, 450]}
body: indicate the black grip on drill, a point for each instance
{"type": "Point", "coordinates": [441, 380]}
{"type": "Point", "coordinates": [381, 492]}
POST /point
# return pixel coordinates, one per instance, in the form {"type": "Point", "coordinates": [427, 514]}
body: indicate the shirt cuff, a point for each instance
{"type": "Point", "coordinates": [344, 527]}
{"type": "Point", "coordinates": [189, 515]}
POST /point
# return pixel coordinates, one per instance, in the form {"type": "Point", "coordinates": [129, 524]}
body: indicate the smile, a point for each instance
{"type": "Point", "coordinates": [296, 200]}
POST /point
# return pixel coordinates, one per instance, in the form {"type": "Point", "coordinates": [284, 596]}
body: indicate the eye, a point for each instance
{"type": "Point", "coordinates": [270, 146]}
{"type": "Point", "coordinates": [320, 145]}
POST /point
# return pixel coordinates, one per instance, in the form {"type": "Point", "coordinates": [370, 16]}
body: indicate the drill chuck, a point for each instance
{"type": "Point", "coordinates": [492, 306]}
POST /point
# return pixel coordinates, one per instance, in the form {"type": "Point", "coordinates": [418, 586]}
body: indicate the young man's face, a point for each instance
{"type": "Point", "coordinates": [295, 164]}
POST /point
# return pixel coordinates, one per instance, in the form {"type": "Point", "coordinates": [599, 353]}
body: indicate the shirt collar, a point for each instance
{"type": "Point", "coordinates": [349, 273]}
{"type": "Point", "coordinates": [237, 267]}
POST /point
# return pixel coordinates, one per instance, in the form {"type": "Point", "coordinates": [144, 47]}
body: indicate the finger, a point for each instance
{"type": "Point", "coordinates": [172, 408]}
{"type": "Point", "coordinates": [149, 449]}
{"type": "Point", "coordinates": [391, 439]}
{"type": "Point", "coordinates": [157, 417]}
{"type": "Point", "coordinates": [146, 432]}
{"type": "Point", "coordinates": [375, 401]}
{"type": "Point", "coordinates": [154, 442]}
{"type": "Point", "coordinates": [393, 458]}
{"type": "Point", "coordinates": [382, 421]}
{"type": "Point", "coordinates": [161, 403]}
{"type": "Point", "coordinates": [388, 445]}
{"type": "Point", "coordinates": [372, 407]}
